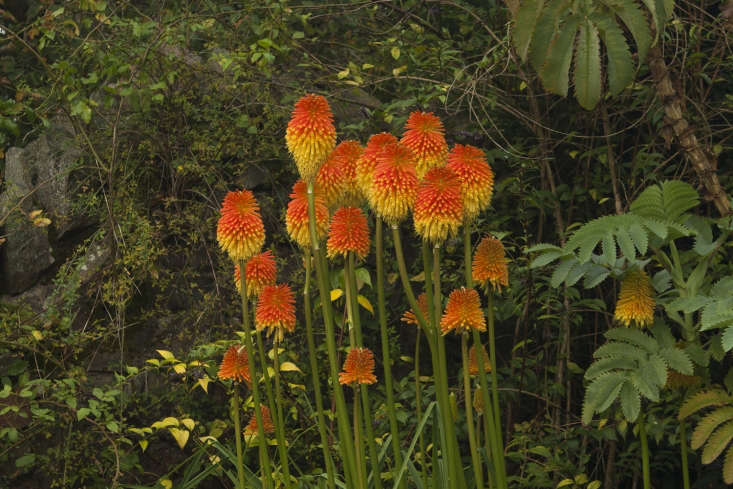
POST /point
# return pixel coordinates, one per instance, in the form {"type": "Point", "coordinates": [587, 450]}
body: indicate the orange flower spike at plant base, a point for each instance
{"type": "Point", "coordinates": [240, 231]}
{"type": "Point", "coordinates": [296, 217]}
{"type": "Point", "coordinates": [349, 232]}
{"type": "Point", "coordinates": [424, 135]}
{"type": "Point", "coordinates": [635, 303]}
{"type": "Point", "coordinates": [268, 427]}
{"type": "Point", "coordinates": [394, 184]}
{"type": "Point", "coordinates": [463, 312]}
{"type": "Point", "coordinates": [369, 160]}
{"type": "Point", "coordinates": [276, 310]}
{"type": "Point", "coordinates": [490, 263]}
{"type": "Point", "coordinates": [235, 365]}
{"type": "Point", "coordinates": [358, 367]}
{"type": "Point", "coordinates": [310, 135]}
{"type": "Point", "coordinates": [476, 177]}
{"type": "Point", "coordinates": [259, 271]}
{"type": "Point", "coordinates": [331, 181]}
{"type": "Point", "coordinates": [346, 154]}
{"type": "Point", "coordinates": [409, 316]}
{"type": "Point", "coordinates": [438, 207]}
{"type": "Point", "coordinates": [473, 361]}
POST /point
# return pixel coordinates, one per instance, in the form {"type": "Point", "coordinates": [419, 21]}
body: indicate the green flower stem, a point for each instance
{"type": "Point", "coordinates": [492, 361]}
{"type": "Point", "coordinates": [344, 427]}
{"type": "Point", "coordinates": [314, 373]}
{"type": "Point", "coordinates": [644, 452]}
{"type": "Point", "coordinates": [386, 361]}
{"type": "Point", "coordinates": [238, 436]}
{"type": "Point", "coordinates": [475, 458]}
{"type": "Point", "coordinates": [467, 255]}
{"type": "Point", "coordinates": [683, 454]}
{"type": "Point", "coordinates": [280, 426]}
{"type": "Point", "coordinates": [273, 404]}
{"type": "Point", "coordinates": [371, 442]}
{"type": "Point", "coordinates": [358, 442]}
{"type": "Point", "coordinates": [418, 402]}
{"type": "Point", "coordinates": [264, 456]}
{"type": "Point", "coordinates": [352, 305]}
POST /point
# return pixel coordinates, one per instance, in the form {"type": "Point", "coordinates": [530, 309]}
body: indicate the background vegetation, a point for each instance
{"type": "Point", "coordinates": [174, 103]}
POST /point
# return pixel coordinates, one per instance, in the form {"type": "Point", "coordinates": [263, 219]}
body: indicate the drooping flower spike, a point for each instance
{"type": "Point", "coordinates": [490, 263]}
{"type": "Point", "coordinates": [259, 271]}
{"type": "Point", "coordinates": [424, 135]}
{"type": "Point", "coordinates": [473, 361]}
{"type": "Point", "coordinates": [358, 367]}
{"type": "Point", "coordinates": [635, 302]}
{"type": "Point", "coordinates": [240, 231]}
{"type": "Point", "coordinates": [476, 177]}
{"type": "Point", "coordinates": [463, 312]}
{"type": "Point", "coordinates": [438, 206]}
{"type": "Point", "coordinates": [346, 154]}
{"type": "Point", "coordinates": [394, 183]}
{"type": "Point", "coordinates": [235, 365]}
{"type": "Point", "coordinates": [252, 428]}
{"type": "Point", "coordinates": [311, 135]}
{"type": "Point", "coordinates": [296, 217]}
{"type": "Point", "coordinates": [369, 160]}
{"type": "Point", "coordinates": [349, 232]}
{"type": "Point", "coordinates": [276, 310]}
{"type": "Point", "coordinates": [409, 316]}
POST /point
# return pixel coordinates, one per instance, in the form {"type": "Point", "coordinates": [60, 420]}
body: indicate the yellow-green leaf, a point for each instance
{"type": "Point", "coordinates": [420, 277]}
{"type": "Point", "coordinates": [37, 334]}
{"type": "Point", "coordinates": [165, 423]}
{"type": "Point", "coordinates": [204, 383]}
{"type": "Point", "coordinates": [41, 222]}
{"type": "Point", "coordinates": [166, 483]}
{"type": "Point", "coordinates": [395, 52]}
{"type": "Point", "coordinates": [399, 70]}
{"type": "Point", "coordinates": [166, 354]}
{"type": "Point", "coordinates": [343, 74]}
{"type": "Point", "coordinates": [365, 303]}
{"type": "Point", "coordinates": [180, 368]}
{"type": "Point", "coordinates": [188, 423]}
{"type": "Point", "coordinates": [336, 293]}
{"type": "Point", "coordinates": [143, 444]}
{"type": "Point", "coordinates": [33, 214]}
{"type": "Point", "coordinates": [181, 436]}
{"type": "Point", "coordinates": [565, 482]}
{"type": "Point", "coordinates": [289, 367]}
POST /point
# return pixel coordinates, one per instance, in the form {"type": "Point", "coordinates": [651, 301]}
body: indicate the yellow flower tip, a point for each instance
{"type": "Point", "coordinates": [410, 317]}
{"type": "Point", "coordinates": [438, 206]}
{"type": "Point", "coordinates": [349, 232]}
{"type": "Point", "coordinates": [473, 361]}
{"type": "Point", "coordinates": [235, 365]}
{"type": "Point", "coordinates": [311, 135]}
{"type": "Point", "coordinates": [369, 159]}
{"type": "Point", "coordinates": [276, 310]}
{"type": "Point", "coordinates": [463, 312]}
{"type": "Point", "coordinates": [635, 302]}
{"type": "Point", "coordinates": [240, 231]}
{"type": "Point", "coordinates": [296, 217]}
{"type": "Point", "coordinates": [476, 177]}
{"type": "Point", "coordinates": [394, 183]}
{"type": "Point", "coordinates": [490, 263]}
{"type": "Point", "coordinates": [259, 271]}
{"type": "Point", "coordinates": [358, 367]}
{"type": "Point", "coordinates": [424, 135]}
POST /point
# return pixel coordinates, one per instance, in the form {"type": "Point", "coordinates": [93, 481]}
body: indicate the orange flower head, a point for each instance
{"type": "Point", "coordinates": [490, 263]}
{"type": "Point", "coordinates": [369, 159]}
{"type": "Point", "coordinates": [310, 135]}
{"type": "Point", "coordinates": [240, 231]}
{"type": "Point", "coordinates": [476, 177]}
{"type": "Point", "coordinates": [296, 217]}
{"type": "Point", "coordinates": [439, 207]}
{"type": "Point", "coordinates": [252, 428]}
{"type": "Point", "coordinates": [358, 367]}
{"type": "Point", "coordinates": [235, 365]}
{"type": "Point", "coordinates": [259, 271]}
{"type": "Point", "coordinates": [463, 312]}
{"type": "Point", "coordinates": [424, 136]}
{"type": "Point", "coordinates": [394, 183]}
{"type": "Point", "coordinates": [346, 154]}
{"type": "Point", "coordinates": [473, 361]}
{"type": "Point", "coordinates": [635, 302]}
{"type": "Point", "coordinates": [409, 316]}
{"type": "Point", "coordinates": [276, 310]}
{"type": "Point", "coordinates": [349, 232]}
{"type": "Point", "coordinates": [331, 181]}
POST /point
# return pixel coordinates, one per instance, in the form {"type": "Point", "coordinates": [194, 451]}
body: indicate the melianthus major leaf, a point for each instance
{"type": "Point", "coordinates": [717, 443]}
{"type": "Point", "coordinates": [707, 425]}
{"type": "Point", "coordinates": [587, 65]}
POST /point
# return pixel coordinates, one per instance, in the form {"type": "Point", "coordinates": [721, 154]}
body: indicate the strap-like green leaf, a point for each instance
{"type": "Point", "coordinates": [635, 20]}
{"type": "Point", "coordinates": [717, 442]}
{"type": "Point", "coordinates": [588, 66]}
{"type": "Point", "coordinates": [524, 25]}
{"type": "Point", "coordinates": [620, 65]}
{"type": "Point", "coordinates": [555, 72]}
{"type": "Point", "coordinates": [630, 402]}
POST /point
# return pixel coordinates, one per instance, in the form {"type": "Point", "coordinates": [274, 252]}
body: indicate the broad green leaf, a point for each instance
{"type": "Point", "coordinates": [620, 66]}
{"type": "Point", "coordinates": [555, 72]}
{"type": "Point", "coordinates": [588, 66]}
{"type": "Point", "coordinates": [524, 25]}
{"type": "Point", "coordinates": [630, 402]}
{"type": "Point", "coordinates": [635, 20]}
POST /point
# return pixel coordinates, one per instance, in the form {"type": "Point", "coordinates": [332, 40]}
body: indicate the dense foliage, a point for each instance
{"type": "Point", "coordinates": [110, 380]}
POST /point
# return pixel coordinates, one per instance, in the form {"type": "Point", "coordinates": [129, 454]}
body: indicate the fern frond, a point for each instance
{"type": "Point", "coordinates": [717, 442]}
{"type": "Point", "coordinates": [702, 400]}
{"type": "Point", "coordinates": [708, 424]}
{"type": "Point", "coordinates": [666, 202]}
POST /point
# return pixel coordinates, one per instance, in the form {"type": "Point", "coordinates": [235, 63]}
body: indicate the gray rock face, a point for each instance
{"type": "Point", "coordinates": [36, 177]}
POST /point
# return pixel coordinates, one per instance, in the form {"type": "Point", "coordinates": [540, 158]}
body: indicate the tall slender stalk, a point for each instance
{"type": "Point", "coordinates": [264, 456]}
{"type": "Point", "coordinates": [358, 443]}
{"type": "Point", "coordinates": [683, 455]}
{"type": "Point", "coordinates": [418, 403]}
{"type": "Point", "coordinates": [475, 458]}
{"type": "Point", "coordinates": [344, 427]}
{"type": "Point", "coordinates": [314, 373]}
{"type": "Point", "coordinates": [644, 452]}
{"type": "Point", "coordinates": [492, 361]}
{"type": "Point", "coordinates": [280, 426]}
{"type": "Point", "coordinates": [238, 435]}
{"type": "Point", "coordinates": [386, 361]}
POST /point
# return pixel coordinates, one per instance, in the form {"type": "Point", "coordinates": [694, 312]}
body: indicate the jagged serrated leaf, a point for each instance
{"type": "Point", "coordinates": [657, 227]}
{"type": "Point", "coordinates": [625, 243]}
{"type": "Point", "coordinates": [588, 410]}
{"type": "Point", "coordinates": [656, 370]}
{"type": "Point", "coordinates": [697, 354]}
{"type": "Point", "coordinates": [633, 336]}
{"type": "Point", "coordinates": [547, 23]}
{"type": "Point", "coordinates": [728, 466]}
{"type": "Point", "coordinates": [594, 276]}
{"type": "Point", "coordinates": [707, 425]}
{"type": "Point", "coordinates": [649, 203]}
{"type": "Point", "coordinates": [647, 389]}
{"type": "Point", "coordinates": [727, 338]}
{"type": "Point", "coordinates": [588, 66]}
{"type": "Point", "coordinates": [604, 390]}
{"type": "Point", "coordinates": [636, 22]}
{"type": "Point", "coordinates": [620, 65]}
{"type": "Point", "coordinates": [640, 238]}
{"type": "Point", "coordinates": [663, 335]}
{"type": "Point", "coordinates": [630, 402]}
{"type": "Point", "coordinates": [546, 258]}
{"type": "Point", "coordinates": [608, 364]}
{"type": "Point", "coordinates": [524, 25]}
{"type": "Point", "coordinates": [717, 442]}
{"type": "Point", "coordinates": [679, 197]}
{"type": "Point", "coordinates": [621, 350]}
{"type": "Point", "coordinates": [562, 270]}
{"type": "Point", "coordinates": [575, 274]}
{"type": "Point", "coordinates": [677, 360]}
{"type": "Point", "coordinates": [555, 72]}
{"type": "Point", "coordinates": [608, 247]}
{"type": "Point", "coordinates": [717, 314]}
{"type": "Point", "coordinates": [661, 281]}
{"type": "Point", "coordinates": [688, 305]}
{"type": "Point", "coordinates": [702, 400]}
{"type": "Point", "coordinates": [723, 288]}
